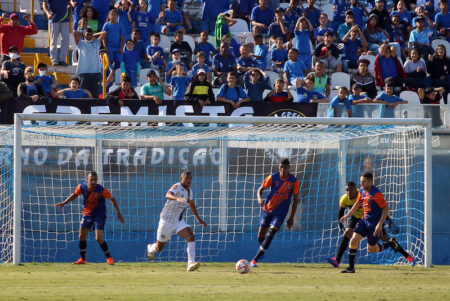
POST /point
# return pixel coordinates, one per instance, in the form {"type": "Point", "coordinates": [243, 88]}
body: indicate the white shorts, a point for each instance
{"type": "Point", "coordinates": [166, 229]}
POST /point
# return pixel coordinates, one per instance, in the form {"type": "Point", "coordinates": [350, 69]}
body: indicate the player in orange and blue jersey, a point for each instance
{"type": "Point", "coordinates": [276, 206]}
{"type": "Point", "coordinates": [371, 225]}
{"type": "Point", "coordinates": [94, 214]}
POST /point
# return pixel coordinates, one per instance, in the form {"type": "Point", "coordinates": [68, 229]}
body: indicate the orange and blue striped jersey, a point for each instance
{"type": "Point", "coordinates": [94, 201]}
{"type": "Point", "coordinates": [279, 198]}
{"type": "Point", "coordinates": [373, 203]}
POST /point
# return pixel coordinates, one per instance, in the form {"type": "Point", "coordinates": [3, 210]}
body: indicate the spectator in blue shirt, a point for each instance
{"type": "Point", "coordinates": [278, 28]}
{"type": "Point", "coordinates": [419, 37]}
{"type": "Point", "coordinates": [442, 20]}
{"type": "Point", "coordinates": [420, 12]}
{"type": "Point", "coordinates": [223, 63]}
{"type": "Point", "coordinates": [172, 20]}
{"type": "Point", "coordinates": [352, 41]}
{"type": "Point", "coordinates": [231, 93]}
{"type": "Point", "coordinates": [207, 48]}
{"type": "Point", "coordinates": [293, 68]}
{"type": "Point", "coordinates": [126, 17]}
{"type": "Point", "coordinates": [210, 10]}
{"type": "Point", "coordinates": [260, 51]}
{"type": "Point", "coordinates": [143, 22]}
{"type": "Point", "coordinates": [303, 30]}
{"type": "Point", "coordinates": [155, 7]}
{"type": "Point", "coordinates": [155, 53]}
{"type": "Point", "coordinates": [359, 11]}
{"type": "Point", "coordinates": [130, 64]}
{"type": "Point", "coordinates": [79, 5]}
{"type": "Point", "coordinates": [312, 13]}
{"type": "Point", "coordinates": [57, 12]}
{"type": "Point", "coordinates": [403, 13]}
{"type": "Point", "coordinates": [358, 100]}
{"type": "Point", "coordinates": [255, 82]}
{"type": "Point", "coordinates": [201, 64]}
{"type": "Point", "coordinates": [244, 9]}
{"type": "Point", "coordinates": [102, 8]}
{"type": "Point", "coordinates": [345, 27]}
{"type": "Point", "coordinates": [341, 98]}
{"type": "Point", "coordinates": [340, 7]}
{"type": "Point", "coordinates": [47, 82]}
{"type": "Point", "coordinates": [261, 17]}
{"type": "Point", "coordinates": [292, 14]}
{"type": "Point", "coordinates": [114, 40]}
{"type": "Point", "coordinates": [397, 34]}
{"type": "Point", "coordinates": [278, 55]}
{"type": "Point", "coordinates": [74, 90]}
{"type": "Point", "coordinates": [179, 83]}
{"type": "Point", "coordinates": [319, 32]}
{"type": "Point", "coordinates": [171, 66]}
{"type": "Point", "coordinates": [388, 101]}
{"type": "Point", "coordinates": [245, 63]}
{"type": "Point", "coordinates": [307, 94]}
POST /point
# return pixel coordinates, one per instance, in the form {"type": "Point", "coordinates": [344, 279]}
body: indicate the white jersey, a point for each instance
{"type": "Point", "coordinates": [173, 210]}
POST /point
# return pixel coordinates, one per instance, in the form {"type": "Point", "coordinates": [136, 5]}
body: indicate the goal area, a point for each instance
{"type": "Point", "coordinates": [43, 157]}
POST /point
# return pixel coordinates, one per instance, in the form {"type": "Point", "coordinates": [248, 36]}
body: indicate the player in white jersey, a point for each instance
{"type": "Point", "coordinates": [171, 219]}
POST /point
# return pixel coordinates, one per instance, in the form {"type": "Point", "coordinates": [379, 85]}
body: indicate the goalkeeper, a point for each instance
{"type": "Point", "coordinates": [347, 201]}
{"type": "Point", "coordinates": [94, 214]}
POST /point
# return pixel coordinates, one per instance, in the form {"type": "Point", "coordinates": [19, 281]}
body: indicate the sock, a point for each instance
{"type": "Point", "coordinates": [351, 258]}
{"type": "Point", "coordinates": [82, 245]}
{"type": "Point", "coordinates": [153, 248]}
{"type": "Point", "coordinates": [104, 247]}
{"type": "Point", "coordinates": [387, 244]}
{"type": "Point", "coordinates": [266, 243]}
{"type": "Point", "coordinates": [342, 247]}
{"type": "Point", "coordinates": [381, 247]}
{"type": "Point", "coordinates": [403, 252]}
{"type": "Point", "coordinates": [191, 251]}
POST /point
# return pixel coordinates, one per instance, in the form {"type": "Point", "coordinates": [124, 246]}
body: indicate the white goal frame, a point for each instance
{"type": "Point", "coordinates": [425, 123]}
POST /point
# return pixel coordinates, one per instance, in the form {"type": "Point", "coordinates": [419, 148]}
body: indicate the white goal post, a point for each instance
{"type": "Point", "coordinates": [258, 140]}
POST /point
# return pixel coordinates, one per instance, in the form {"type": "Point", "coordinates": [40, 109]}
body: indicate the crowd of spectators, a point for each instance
{"type": "Point", "coordinates": [298, 43]}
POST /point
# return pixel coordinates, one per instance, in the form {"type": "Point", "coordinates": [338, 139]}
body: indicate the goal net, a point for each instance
{"type": "Point", "coordinates": [139, 159]}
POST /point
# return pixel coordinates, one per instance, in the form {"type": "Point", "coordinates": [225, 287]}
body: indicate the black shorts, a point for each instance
{"type": "Point", "coordinates": [352, 221]}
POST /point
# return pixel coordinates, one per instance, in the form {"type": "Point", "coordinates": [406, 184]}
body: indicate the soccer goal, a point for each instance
{"type": "Point", "coordinates": [44, 156]}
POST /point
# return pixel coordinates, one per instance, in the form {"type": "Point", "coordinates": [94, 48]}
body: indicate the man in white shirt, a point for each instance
{"type": "Point", "coordinates": [171, 220]}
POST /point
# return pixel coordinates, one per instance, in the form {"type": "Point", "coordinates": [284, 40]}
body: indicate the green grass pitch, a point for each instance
{"type": "Point", "coordinates": [220, 281]}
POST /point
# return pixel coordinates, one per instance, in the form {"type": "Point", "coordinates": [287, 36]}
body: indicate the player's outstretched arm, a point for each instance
{"type": "Point", "coordinates": [260, 199]}
{"type": "Point", "coordinates": [195, 212]}
{"type": "Point", "coordinates": [72, 197]}
{"type": "Point", "coordinates": [290, 221]}
{"type": "Point", "coordinates": [173, 197]}
{"type": "Point", "coordinates": [116, 208]}
{"type": "Point", "coordinates": [355, 207]}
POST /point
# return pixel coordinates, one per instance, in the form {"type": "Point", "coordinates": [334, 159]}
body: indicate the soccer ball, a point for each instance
{"type": "Point", "coordinates": [242, 266]}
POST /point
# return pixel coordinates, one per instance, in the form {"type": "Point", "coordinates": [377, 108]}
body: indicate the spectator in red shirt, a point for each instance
{"type": "Point", "coordinates": [14, 34]}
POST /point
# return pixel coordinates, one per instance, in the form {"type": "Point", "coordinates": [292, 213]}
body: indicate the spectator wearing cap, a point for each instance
{"type": "Point", "coordinates": [154, 90]}
{"type": "Point", "coordinates": [261, 17]}
{"type": "Point", "coordinates": [255, 82]}
{"type": "Point", "coordinates": [231, 93]}
{"type": "Point", "coordinates": [200, 91]}
{"type": "Point", "coordinates": [278, 28]}
{"type": "Point", "coordinates": [13, 34]}
{"type": "Point", "coordinates": [29, 89]}
{"type": "Point", "coordinates": [13, 69]}
{"type": "Point", "coordinates": [432, 96]}
{"type": "Point", "coordinates": [223, 63]}
{"type": "Point", "coordinates": [74, 90]}
{"type": "Point", "coordinates": [184, 48]}
{"type": "Point", "coordinates": [125, 91]}
{"type": "Point", "coordinates": [57, 12]}
{"type": "Point", "coordinates": [345, 27]}
{"type": "Point", "coordinates": [89, 67]}
{"type": "Point", "coordinates": [171, 66]}
{"type": "Point", "coordinates": [277, 94]}
{"type": "Point", "coordinates": [442, 20]}
{"type": "Point", "coordinates": [419, 37]}
{"type": "Point", "coordinates": [382, 14]}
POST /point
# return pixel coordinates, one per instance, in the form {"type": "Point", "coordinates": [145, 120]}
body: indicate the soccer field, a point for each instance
{"type": "Point", "coordinates": [219, 281]}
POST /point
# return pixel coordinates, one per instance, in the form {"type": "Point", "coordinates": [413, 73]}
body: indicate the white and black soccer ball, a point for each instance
{"type": "Point", "coordinates": [242, 266]}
